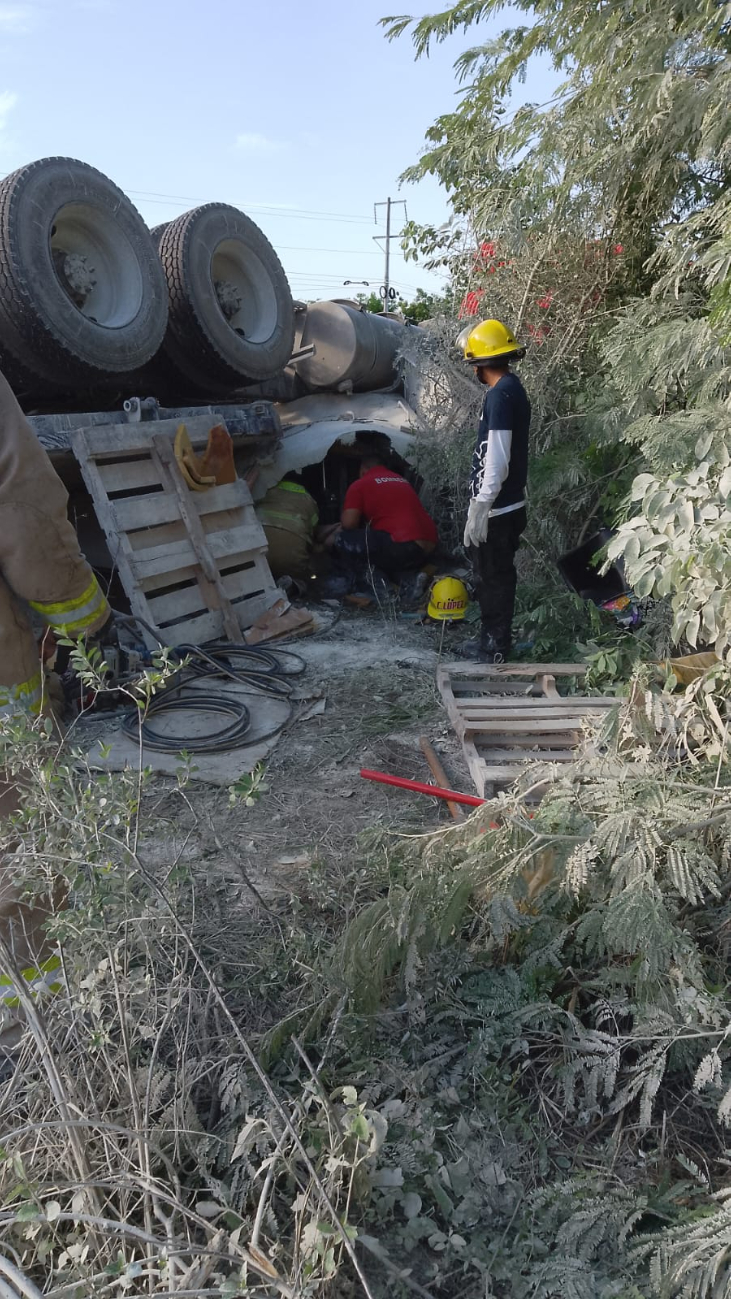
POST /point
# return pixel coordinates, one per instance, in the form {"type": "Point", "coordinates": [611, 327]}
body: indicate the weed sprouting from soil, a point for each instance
{"type": "Point", "coordinates": [467, 1062]}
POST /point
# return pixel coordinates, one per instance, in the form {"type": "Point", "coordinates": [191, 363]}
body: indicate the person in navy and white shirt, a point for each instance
{"type": "Point", "coordinates": [497, 511]}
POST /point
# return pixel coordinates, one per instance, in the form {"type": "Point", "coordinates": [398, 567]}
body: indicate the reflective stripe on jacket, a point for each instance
{"type": "Point", "coordinates": [291, 509]}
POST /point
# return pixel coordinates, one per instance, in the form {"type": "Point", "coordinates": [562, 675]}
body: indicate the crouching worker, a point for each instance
{"type": "Point", "coordinates": [383, 526]}
{"type": "Point", "coordinates": [289, 516]}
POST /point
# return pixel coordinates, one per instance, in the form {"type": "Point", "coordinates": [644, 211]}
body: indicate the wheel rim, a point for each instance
{"type": "Point", "coordinates": [96, 265]}
{"type": "Point", "coordinates": [244, 291]}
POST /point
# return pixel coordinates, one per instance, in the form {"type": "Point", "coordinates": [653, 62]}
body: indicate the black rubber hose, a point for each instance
{"type": "Point", "coordinates": [243, 664]}
{"type": "Point", "coordinates": [231, 736]}
{"type": "Point", "coordinates": [268, 671]}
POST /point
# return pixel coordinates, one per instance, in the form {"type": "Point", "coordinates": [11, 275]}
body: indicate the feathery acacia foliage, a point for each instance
{"type": "Point", "coordinates": [632, 155]}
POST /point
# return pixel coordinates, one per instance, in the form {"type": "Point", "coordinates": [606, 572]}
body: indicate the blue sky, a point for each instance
{"type": "Point", "coordinates": [298, 111]}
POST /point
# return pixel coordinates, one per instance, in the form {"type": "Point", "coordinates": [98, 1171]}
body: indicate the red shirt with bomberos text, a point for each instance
{"type": "Point", "coordinates": [390, 504]}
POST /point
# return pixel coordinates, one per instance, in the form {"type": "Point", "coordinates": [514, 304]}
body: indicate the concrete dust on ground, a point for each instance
{"type": "Point", "coordinates": [378, 679]}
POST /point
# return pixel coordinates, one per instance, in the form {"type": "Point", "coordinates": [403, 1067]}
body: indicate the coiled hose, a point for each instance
{"type": "Point", "coordinates": [264, 671]}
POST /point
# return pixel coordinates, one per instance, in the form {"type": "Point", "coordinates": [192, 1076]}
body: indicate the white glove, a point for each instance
{"type": "Point", "coordinates": [476, 527]}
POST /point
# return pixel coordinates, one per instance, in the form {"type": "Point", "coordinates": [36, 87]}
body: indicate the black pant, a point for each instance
{"type": "Point", "coordinates": [358, 549]}
{"type": "Point", "coordinates": [493, 564]}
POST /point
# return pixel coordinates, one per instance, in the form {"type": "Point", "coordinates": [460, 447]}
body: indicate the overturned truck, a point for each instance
{"type": "Point", "coordinates": [112, 335]}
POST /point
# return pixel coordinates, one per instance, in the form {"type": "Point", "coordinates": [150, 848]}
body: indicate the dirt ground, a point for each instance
{"type": "Point", "coordinates": [377, 676]}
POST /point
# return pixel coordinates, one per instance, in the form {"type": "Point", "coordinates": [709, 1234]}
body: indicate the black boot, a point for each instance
{"type": "Point", "coordinates": [482, 649]}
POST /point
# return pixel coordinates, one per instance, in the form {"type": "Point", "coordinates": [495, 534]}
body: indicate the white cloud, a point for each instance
{"type": "Point", "coordinates": [253, 142]}
{"type": "Point", "coordinates": [17, 20]}
{"type": "Point", "coordinates": [8, 100]}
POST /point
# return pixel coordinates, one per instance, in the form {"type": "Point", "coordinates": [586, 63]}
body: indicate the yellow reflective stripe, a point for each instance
{"type": "Point", "coordinates": [12, 1003]}
{"type": "Point", "coordinates": [75, 628]}
{"type": "Point", "coordinates": [74, 616]}
{"type": "Point", "coordinates": [34, 971]}
{"type": "Point", "coordinates": [291, 487]}
{"type": "Point", "coordinates": [33, 975]}
{"type": "Point", "coordinates": [28, 694]}
{"type": "Point", "coordinates": [267, 516]}
{"type": "Point", "coordinates": [66, 606]}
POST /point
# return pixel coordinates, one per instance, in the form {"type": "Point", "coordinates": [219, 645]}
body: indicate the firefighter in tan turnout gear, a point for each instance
{"type": "Point", "coordinates": [40, 560]}
{"type": "Point", "coordinates": [42, 567]}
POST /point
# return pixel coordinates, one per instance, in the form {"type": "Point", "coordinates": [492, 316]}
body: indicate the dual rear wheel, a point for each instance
{"type": "Point", "coordinates": [90, 297]}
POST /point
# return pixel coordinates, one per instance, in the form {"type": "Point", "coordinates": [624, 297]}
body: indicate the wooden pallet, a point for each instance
{"type": "Point", "coordinates": [193, 564]}
{"type": "Point", "coordinates": [511, 714]}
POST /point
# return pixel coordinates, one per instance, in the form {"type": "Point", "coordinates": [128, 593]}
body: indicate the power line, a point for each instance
{"type": "Point", "coordinates": [152, 196]}
{"type": "Point", "coordinates": [345, 252]}
{"type": "Point", "coordinates": [347, 273]}
{"type": "Point", "coordinates": [332, 278]}
{"type": "Point", "coordinates": [338, 281]}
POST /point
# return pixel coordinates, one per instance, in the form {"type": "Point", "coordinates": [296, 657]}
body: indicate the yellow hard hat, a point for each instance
{"type": "Point", "coordinates": [488, 341]}
{"type": "Point", "coordinates": [448, 600]}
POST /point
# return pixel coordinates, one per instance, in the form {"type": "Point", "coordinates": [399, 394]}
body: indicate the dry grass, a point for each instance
{"type": "Point", "coordinates": [143, 1148]}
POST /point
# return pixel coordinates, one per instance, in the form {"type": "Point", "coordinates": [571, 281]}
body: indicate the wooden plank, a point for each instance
{"type": "Point", "coordinates": [445, 688]}
{"type": "Point", "coordinates": [232, 544]}
{"type": "Point", "coordinates": [244, 516]}
{"type": "Point", "coordinates": [521, 727]}
{"type": "Point", "coordinates": [503, 774]}
{"type": "Point", "coordinates": [537, 725]}
{"type": "Point", "coordinates": [534, 724]}
{"type": "Point", "coordinates": [437, 770]}
{"type": "Point", "coordinates": [538, 735]}
{"type": "Point", "coordinates": [152, 510]}
{"type": "Point", "coordinates": [457, 670]}
{"type": "Point", "coordinates": [162, 535]}
{"type": "Point", "coordinates": [159, 559]}
{"type": "Point", "coordinates": [230, 512]}
{"type": "Point", "coordinates": [507, 725]}
{"type": "Point", "coordinates": [210, 581]}
{"type": "Point", "coordinates": [521, 756]}
{"type": "Point", "coordinates": [514, 740]}
{"type": "Point", "coordinates": [131, 439]}
{"type": "Point", "coordinates": [129, 475]}
{"type": "Point", "coordinates": [203, 552]}
{"type": "Point", "coordinates": [172, 607]}
{"type": "Point", "coordinates": [249, 608]}
{"type": "Point", "coordinates": [117, 541]}
{"type": "Point", "coordinates": [476, 767]}
{"type": "Point", "coordinates": [174, 612]}
{"type": "Point", "coordinates": [488, 778]}
{"type": "Point", "coordinates": [146, 511]}
{"type": "Point", "coordinates": [540, 705]}
{"type": "Point", "coordinates": [164, 560]}
{"type": "Point", "coordinates": [175, 607]}
{"type": "Point", "coordinates": [248, 580]}
{"type": "Point", "coordinates": [164, 581]}
{"type": "Point", "coordinates": [196, 630]}
{"type": "Point", "coordinates": [497, 689]}
{"type": "Point", "coordinates": [231, 496]}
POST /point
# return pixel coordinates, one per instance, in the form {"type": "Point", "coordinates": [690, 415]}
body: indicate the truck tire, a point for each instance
{"type": "Point", "coordinates": [231, 317]}
{"type": "Point", "coordinates": [82, 294]}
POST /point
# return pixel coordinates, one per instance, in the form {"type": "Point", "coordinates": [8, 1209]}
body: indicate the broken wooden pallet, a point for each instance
{"type": "Point", "coordinates": [507, 715]}
{"type": "Point", "coordinates": [192, 564]}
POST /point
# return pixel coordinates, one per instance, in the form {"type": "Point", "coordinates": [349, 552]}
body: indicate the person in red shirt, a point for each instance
{"type": "Point", "coordinates": [383, 524]}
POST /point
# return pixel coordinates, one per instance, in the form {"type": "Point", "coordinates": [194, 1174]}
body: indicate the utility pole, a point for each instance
{"type": "Point", "coordinates": [387, 276]}
{"type": "Point", "coordinates": [389, 204]}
